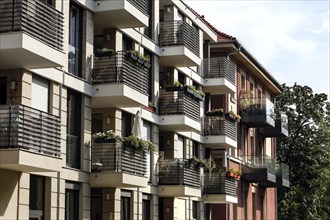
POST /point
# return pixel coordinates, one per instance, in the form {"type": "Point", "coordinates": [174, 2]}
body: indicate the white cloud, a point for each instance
{"type": "Point", "coordinates": [289, 38]}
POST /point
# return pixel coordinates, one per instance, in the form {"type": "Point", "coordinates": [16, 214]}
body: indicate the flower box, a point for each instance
{"type": "Point", "coordinates": [105, 140]}
{"type": "Point", "coordinates": [230, 117]}
{"type": "Point", "coordinates": [152, 109]}
{"type": "Point", "coordinates": [193, 93]}
{"type": "Point", "coordinates": [173, 88]}
{"type": "Point", "coordinates": [215, 114]}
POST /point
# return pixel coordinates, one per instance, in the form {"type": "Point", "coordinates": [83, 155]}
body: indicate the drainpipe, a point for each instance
{"type": "Point", "coordinates": [237, 51]}
{"type": "Point", "coordinates": [58, 177]}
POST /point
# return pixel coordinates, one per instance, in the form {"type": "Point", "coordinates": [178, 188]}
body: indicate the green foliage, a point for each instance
{"type": "Point", "coordinates": [137, 143]}
{"type": "Point", "coordinates": [307, 152]}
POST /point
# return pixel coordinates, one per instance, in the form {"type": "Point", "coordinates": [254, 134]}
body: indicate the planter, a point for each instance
{"type": "Point", "coordinates": [193, 93]}
{"type": "Point", "coordinates": [216, 114]}
{"type": "Point", "coordinates": [152, 109]}
{"type": "Point", "coordinates": [105, 140]}
{"type": "Point", "coordinates": [140, 61]}
{"type": "Point", "coordinates": [104, 54]}
{"type": "Point", "coordinates": [147, 64]}
{"type": "Point", "coordinates": [173, 88]}
{"type": "Point", "coordinates": [230, 174]}
{"type": "Point", "coordinates": [97, 167]}
{"type": "Point", "coordinates": [230, 117]}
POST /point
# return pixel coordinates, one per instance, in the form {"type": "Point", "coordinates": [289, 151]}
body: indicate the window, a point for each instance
{"type": "Point", "coordinates": [195, 209]}
{"type": "Point", "coordinates": [75, 40]}
{"type": "Point", "coordinates": [147, 135]}
{"type": "Point", "coordinates": [243, 82]}
{"type": "Point", "coordinates": [127, 43]}
{"type": "Point", "coordinates": [181, 78]}
{"type": "Point", "coordinates": [3, 90]}
{"type": "Point", "coordinates": [125, 212]}
{"type": "Point", "coordinates": [97, 123]}
{"type": "Point", "coordinates": [126, 124]}
{"type": "Point", "coordinates": [150, 76]}
{"type": "Point", "coordinates": [180, 149]}
{"type": "Point", "coordinates": [72, 201]}
{"type": "Point", "coordinates": [146, 207]}
{"type": "Point", "coordinates": [40, 93]}
{"type": "Point", "coordinates": [37, 198]}
{"type": "Point", "coordinates": [195, 149]}
{"type": "Point", "coordinates": [244, 140]}
{"type": "Point", "coordinates": [96, 204]}
{"type": "Point", "coordinates": [73, 129]}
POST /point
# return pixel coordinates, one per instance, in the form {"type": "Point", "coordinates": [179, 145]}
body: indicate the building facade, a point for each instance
{"type": "Point", "coordinates": [72, 70]}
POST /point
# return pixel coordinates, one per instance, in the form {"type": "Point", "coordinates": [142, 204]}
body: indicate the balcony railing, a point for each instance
{"type": "Point", "coordinates": [142, 5]}
{"type": "Point", "coordinates": [219, 183]}
{"type": "Point", "coordinates": [116, 157]}
{"type": "Point", "coordinates": [280, 129]}
{"type": "Point", "coordinates": [36, 18]}
{"type": "Point", "coordinates": [119, 68]}
{"type": "Point", "coordinates": [172, 33]}
{"type": "Point", "coordinates": [257, 112]}
{"type": "Point", "coordinates": [179, 103]}
{"type": "Point", "coordinates": [282, 175]}
{"type": "Point", "coordinates": [29, 129]}
{"type": "Point", "coordinates": [260, 169]}
{"type": "Point", "coordinates": [219, 126]}
{"type": "Point", "coordinates": [219, 67]}
{"type": "Point", "coordinates": [178, 172]}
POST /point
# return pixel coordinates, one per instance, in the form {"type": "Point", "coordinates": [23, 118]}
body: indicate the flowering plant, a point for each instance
{"type": "Point", "coordinates": [108, 135]}
{"type": "Point", "coordinates": [152, 104]}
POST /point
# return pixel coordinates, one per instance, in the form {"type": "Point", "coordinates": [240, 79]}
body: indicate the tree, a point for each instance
{"type": "Point", "coordinates": [307, 152]}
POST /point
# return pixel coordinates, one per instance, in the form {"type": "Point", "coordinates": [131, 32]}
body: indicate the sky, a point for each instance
{"type": "Point", "coordinates": [289, 38]}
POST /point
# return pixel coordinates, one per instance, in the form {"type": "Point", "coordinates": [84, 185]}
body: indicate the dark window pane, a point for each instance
{"type": "Point", "coordinates": [3, 90]}
{"type": "Point", "coordinates": [37, 197]}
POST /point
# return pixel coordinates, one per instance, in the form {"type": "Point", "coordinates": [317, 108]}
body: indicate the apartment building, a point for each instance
{"type": "Point", "coordinates": [70, 70]}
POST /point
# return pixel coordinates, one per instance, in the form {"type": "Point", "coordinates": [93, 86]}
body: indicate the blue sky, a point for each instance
{"type": "Point", "coordinates": [289, 38]}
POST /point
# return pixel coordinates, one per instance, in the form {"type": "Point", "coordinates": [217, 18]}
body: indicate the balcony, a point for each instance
{"type": "Point", "coordinates": [121, 14]}
{"type": "Point", "coordinates": [117, 165]}
{"type": "Point", "coordinates": [29, 139]}
{"type": "Point", "coordinates": [119, 81]}
{"type": "Point", "coordinates": [219, 189]}
{"type": "Point", "coordinates": [178, 112]}
{"type": "Point", "coordinates": [282, 175]}
{"type": "Point", "coordinates": [280, 129]}
{"type": "Point", "coordinates": [178, 178]}
{"type": "Point", "coordinates": [219, 132]}
{"type": "Point", "coordinates": [257, 112]}
{"type": "Point", "coordinates": [219, 76]}
{"type": "Point", "coordinates": [180, 45]}
{"type": "Point", "coordinates": [259, 170]}
{"type": "Point", "coordinates": [31, 35]}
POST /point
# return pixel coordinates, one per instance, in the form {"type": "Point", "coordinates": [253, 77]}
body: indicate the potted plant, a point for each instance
{"type": "Point", "coordinates": [138, 144]}
{"type": "Point", "coordinates": [106, 137]}
{"type": "Point", "coordinates": [209, 165]}
{"type": "Point", "coordinates": [151, 106]}
{"type": "Point", "coordinates": [234, 173]}
{"type": "Point", "coordinates": [215, 112]}
{"type": "Point", "coordinates": [190, 89]}
{"type": "Point", "coordinates": [232, 116]}
{"type": "Point", "coordinates": [146, 61]}
{"type": "Point", "coordinates": [104, 52]}
{"type": "Point", "coordinates": [177, 86]}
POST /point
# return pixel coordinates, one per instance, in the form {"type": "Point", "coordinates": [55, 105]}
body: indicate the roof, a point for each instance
{"type": "Point", "coordinates": [224, 36]}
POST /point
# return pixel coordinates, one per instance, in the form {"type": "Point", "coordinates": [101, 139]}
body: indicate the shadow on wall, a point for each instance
{"type": "Point", "coordinates": [8, 191]}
